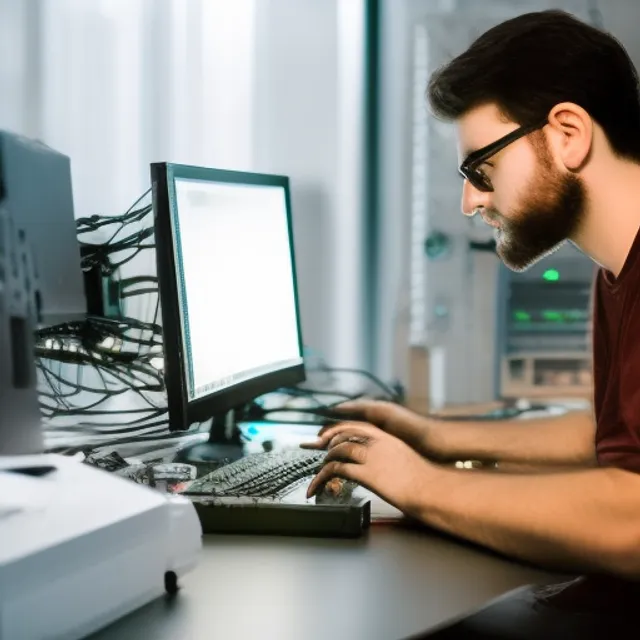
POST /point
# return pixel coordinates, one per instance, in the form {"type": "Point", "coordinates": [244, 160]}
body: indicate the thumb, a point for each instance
{"type": "Point", "coordinates": [354, 405]}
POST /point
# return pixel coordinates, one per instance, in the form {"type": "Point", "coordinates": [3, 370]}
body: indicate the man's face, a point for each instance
{"type": "Point", "coordinates": [534, 206]}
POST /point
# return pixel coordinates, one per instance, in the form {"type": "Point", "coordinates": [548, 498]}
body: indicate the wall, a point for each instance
{"type": "Point", "coordinates": [308, 124]}
{"type": "Point", "coordinates": [621, 18]}
{"type": "Point", "coordinates": [19, 73]}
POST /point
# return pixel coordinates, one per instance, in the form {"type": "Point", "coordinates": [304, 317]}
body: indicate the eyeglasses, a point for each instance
{"type": "Point", "coordinates": [470, 168]}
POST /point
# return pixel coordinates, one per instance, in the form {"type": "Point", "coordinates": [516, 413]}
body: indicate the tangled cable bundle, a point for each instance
{"type": "Point", "coordinates": [101, 380]}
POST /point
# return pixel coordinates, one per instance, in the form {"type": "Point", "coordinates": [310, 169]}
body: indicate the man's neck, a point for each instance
{"type": "Point", "coordinates": [612, 217]}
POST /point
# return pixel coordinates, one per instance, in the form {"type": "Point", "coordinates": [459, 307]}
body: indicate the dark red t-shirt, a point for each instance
{"type": "Point", "coordinates": [616, 374]}
{"type": "Point", "coordinates": [616, 364]}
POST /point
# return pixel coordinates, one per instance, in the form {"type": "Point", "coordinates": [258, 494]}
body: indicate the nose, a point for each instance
{"type": "Point", "coordinates": [473, 199]}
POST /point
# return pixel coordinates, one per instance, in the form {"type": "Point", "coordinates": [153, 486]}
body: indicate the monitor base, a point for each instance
{"type": "Point", "coordinates": [224, 444]}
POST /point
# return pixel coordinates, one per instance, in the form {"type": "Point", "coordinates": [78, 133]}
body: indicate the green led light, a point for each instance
{"type": "Point", "coordinates": [553, 316]}
{"type": "Point", "coordinates": [551, 275]}
{"type": "Point", "coordinates": [521, 316]}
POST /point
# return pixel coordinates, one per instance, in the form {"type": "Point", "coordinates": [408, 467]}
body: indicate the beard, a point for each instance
{"type": "Point", "coordinates": [550, 215]}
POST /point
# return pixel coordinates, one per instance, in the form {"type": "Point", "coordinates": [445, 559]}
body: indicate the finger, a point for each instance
{"type": "Point", "coordinates": [327, 433]}
{"type": "Point", "coordinates": [374, 411]}
{"type": "Point", "coordinates": [352, 430]}
{"type": "Point", "coordinates": [324, 437]}
{"type": "Point", "coordinates": [331, 424]}
{"type": "Point", "coordinates": [320, 443]}
{"type": "Point", "coordinates": [353, 450]}
{"type": "Point", "coordinates": [361, 435]}
{"type": "Point", "coordinates": [328, 427]}
{"type": "Point", "coordinates": [350, 408]}
{"type": "Point", "coordinates": [340, 433]}
{"type": "Point", "coordinates": [334, 469]}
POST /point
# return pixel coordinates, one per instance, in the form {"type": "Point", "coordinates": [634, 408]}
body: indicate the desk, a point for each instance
{"type": "Point", "coordinates": [394, 583]}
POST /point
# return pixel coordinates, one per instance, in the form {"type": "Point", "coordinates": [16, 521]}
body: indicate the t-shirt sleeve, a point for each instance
{"type": "Point", "coordinates": [618, 441]}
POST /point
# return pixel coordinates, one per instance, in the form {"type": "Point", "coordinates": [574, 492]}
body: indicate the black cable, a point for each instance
{"type": "Point", "coordinates": [117, 352]}
{"type": "Point", "coordinates": [304, 391]}
{"type": "Point", "coordinates": [391, 393]}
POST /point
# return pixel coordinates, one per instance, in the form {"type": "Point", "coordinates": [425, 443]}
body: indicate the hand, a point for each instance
{"type": "Point", "coordinates": [376, 460]}
{"type": "Point", "coordinates": [408, 426]}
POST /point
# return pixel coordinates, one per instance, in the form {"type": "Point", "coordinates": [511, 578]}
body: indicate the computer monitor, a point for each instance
{"type": "Point", "coordinates": [228, 294]}
{"type": "Point", "coordinates": [36, 193]}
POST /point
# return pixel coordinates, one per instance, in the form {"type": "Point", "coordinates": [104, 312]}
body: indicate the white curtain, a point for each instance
{"type": "Point", "coordinates": [117, 84]}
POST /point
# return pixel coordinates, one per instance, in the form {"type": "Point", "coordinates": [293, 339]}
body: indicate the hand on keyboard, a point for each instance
{"type": "Point", "coordinates": [376, 460]}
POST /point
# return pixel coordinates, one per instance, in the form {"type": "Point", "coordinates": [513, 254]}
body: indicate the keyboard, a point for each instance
{"type": "Point", "coordinates": [257, 495]}
{"type": "Point", "coordinates": [271, 474]}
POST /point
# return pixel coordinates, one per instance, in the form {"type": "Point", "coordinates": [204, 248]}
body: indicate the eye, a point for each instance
{"type": "Point", "coordinates": [481, 171]}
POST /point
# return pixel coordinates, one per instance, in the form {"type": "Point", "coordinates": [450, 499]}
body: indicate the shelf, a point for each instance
{"type": "Point", "coordinates": [531, 375]}
{"type": "Point", "coordinates": [539, 391]}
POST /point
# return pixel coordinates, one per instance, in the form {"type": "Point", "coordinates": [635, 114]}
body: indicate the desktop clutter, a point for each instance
{"type": "Point", "coordinates": [89, 534]}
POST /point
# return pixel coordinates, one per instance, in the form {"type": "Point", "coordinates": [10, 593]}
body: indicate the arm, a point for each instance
{"type": "Point", "coordinates": [567, 440]}
{"type": "Point", "coordinates": [585, 520]}
{"type": "Point", "coordinates": [580, 520]}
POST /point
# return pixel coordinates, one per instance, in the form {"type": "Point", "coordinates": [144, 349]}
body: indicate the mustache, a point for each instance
{"type": "Point", "coordinates": [493, 214]}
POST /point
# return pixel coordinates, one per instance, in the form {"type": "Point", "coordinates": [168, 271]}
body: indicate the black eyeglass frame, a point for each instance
{"type": "Point", "coordinates": [470, 166]}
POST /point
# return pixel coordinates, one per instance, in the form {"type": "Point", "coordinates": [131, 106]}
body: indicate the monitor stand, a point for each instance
{"type": "Point", "coordinates": [224, 444]}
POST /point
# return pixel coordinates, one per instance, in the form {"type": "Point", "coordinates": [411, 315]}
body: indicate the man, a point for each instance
{"type": "Point", "coordinates": [547, 110]}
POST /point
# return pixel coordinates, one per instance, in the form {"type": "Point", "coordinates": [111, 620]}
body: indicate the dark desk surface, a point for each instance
{"type": "Point", "coordinates": [393, 584]}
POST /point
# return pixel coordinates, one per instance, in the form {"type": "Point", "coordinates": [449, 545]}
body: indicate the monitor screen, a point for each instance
{"type": "Point", "coordinates": [233, 272]}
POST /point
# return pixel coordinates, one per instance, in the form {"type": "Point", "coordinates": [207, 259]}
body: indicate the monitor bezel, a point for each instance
{"type": "Point", "coordinates": [183, 413]}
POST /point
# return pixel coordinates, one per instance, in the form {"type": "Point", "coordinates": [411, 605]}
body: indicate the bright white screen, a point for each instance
{"type": "Point", "coordinates": [238, 299]}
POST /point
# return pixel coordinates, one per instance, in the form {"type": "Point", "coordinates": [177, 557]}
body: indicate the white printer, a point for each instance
{"type": "Point", "coordinates": [81, 547]}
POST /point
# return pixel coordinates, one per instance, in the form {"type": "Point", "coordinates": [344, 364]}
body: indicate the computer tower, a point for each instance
{"type": "Point", "coordinates": [41, 280]}
{"type": "Point", "coordinates": [36, 191]}
{"type": "Point", "coordinates": [20, 418]}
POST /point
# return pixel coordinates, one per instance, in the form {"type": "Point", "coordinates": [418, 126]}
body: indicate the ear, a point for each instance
{"type": "Point", "coordinates": [571, 134]}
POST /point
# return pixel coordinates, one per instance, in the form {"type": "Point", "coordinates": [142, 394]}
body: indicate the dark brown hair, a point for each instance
{"type": "Point", "coordinates": [529, 64]}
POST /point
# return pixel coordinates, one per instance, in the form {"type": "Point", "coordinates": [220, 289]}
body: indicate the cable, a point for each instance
{"type": "Point", "coordinates": [320, 365]}
{"type": "Point", "coordinates": [392, 394]}
{"type": "Point", "coordinates": [109, 370]}
{"type": "Point", "coordinates": [306, 392]}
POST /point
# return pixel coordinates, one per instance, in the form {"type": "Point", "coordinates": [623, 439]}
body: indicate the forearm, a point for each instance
{"type": "Point", "coordinates": [567, 440]}
{"type": "Point", "coordinates": [585, 520]}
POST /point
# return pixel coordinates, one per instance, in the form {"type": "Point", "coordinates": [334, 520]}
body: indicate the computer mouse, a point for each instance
{"type": "Point", "coordinates": [336, 491]}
